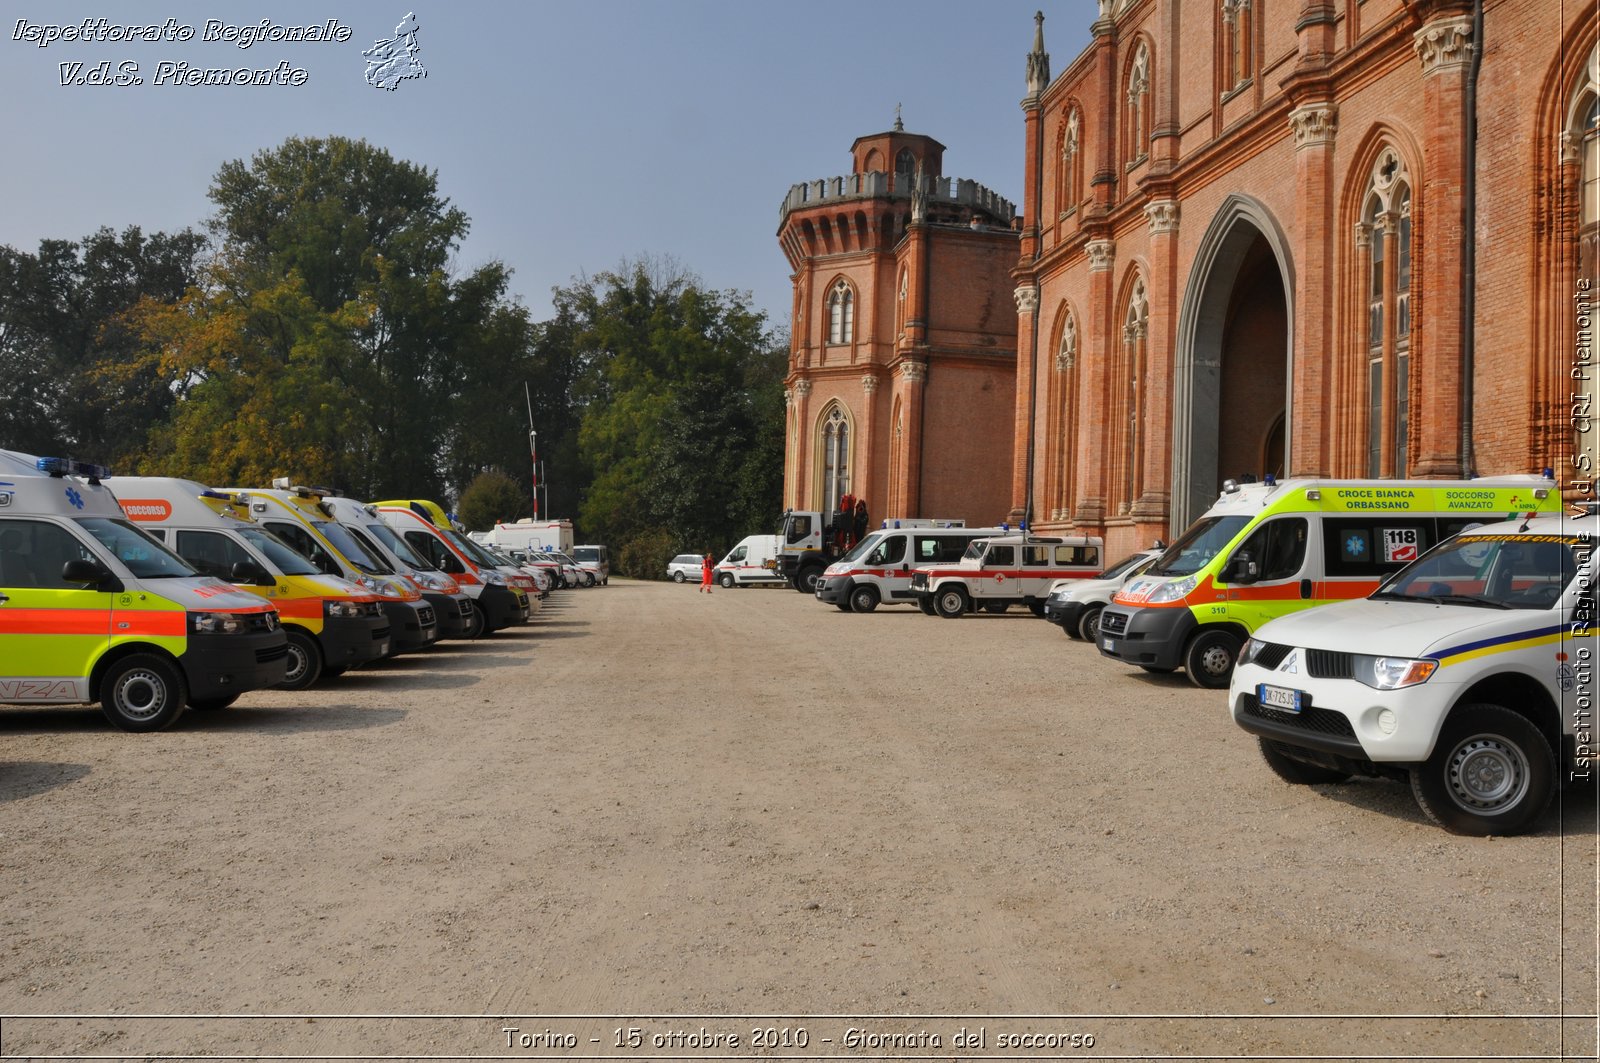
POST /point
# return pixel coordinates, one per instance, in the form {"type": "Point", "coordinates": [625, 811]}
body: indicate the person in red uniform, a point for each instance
{"type": "Point", "coordinates": [705, 573]}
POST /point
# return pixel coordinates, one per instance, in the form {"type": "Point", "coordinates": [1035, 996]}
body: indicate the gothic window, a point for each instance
{"type": "Point", "coordinates": [1071, 182]}
{"type": "Point", "coordinates": [841, 314]}
{"type": "Point", "coordinates": [1238, 44]}
{"type": "Point", "coordinates": [835, 437]}
{"type": "Point", "coordinates": [1136, 115]}
{"type": "Point", "coordinates": [1386, 277]}
{"type": "Point", "coordinates": [1130, 384]}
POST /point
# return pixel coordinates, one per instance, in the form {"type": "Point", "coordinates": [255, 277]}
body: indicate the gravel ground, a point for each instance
{"type": "Point", "coordinates": [678, 813]}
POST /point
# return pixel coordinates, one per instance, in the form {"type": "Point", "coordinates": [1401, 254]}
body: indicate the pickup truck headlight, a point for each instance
{"type": "Point", "coordinates": [1392, 673]}
{"type": "Point", "coordinates": [218, 624]}
{"type": "Point", "coordinates": [344, 610]}
{"type": "Point", "coordinates": [1249, 651]}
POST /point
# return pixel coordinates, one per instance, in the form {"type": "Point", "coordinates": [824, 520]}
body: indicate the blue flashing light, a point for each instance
{"type": "Point", "coordinates": [1270, 480]}
{"type": "Point", "coordinates": [1548, 473]}
{"type": "Point", "coordinates": [1005, 526]}
{"type": "Point", "coordinates": [71, 467]}
{"type": "Point", "coordinates": [1022, 526]}
{"type": "Point", "coordinates": [897, 524]}
{"type": "Point", "coordinates": [216, 494]}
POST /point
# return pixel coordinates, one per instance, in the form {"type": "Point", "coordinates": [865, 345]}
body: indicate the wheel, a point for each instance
{"type": "Point", "coordinates": [843, 607]}
{"type": "Point", "coordinates": [806, 580]}
{"type": "Point", "coordinates": [142, 692]}
{"type": "Point", "coordinates": [1037, 609]}
{"type": "Point", "coordinates": [305, 661]}
{"type": "Point", "coordinates": [1209, 659]}
{"type": "Point", "coordinates": [863, 598]}
{"type": "Point", "coordinates": [588, 579]}
{"type": "Point", "coordinates": [213, 704]}
{"type": "Point", "coordinates": [1491, 772]}
{"type": "Point", "coordinates": [1294, 771]}
{"type": "Point", "coordinates": [726, 580]}
{"type": "Point", "coordinates": [677, 577]}
{"type": "Point", "coordinates": [995, 607]}
{"type": "Point", "coordinates": [477, 623]}
{"type": "Point", "coordinates": [1089, 624]}
{"type": "Point", "coordinates": [925, 604]}
{"type": "Point", "coordinates": [950, 602]}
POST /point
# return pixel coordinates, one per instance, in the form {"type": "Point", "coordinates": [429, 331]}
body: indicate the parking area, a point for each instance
{"type": "Point", "coordinates": [657, 801]}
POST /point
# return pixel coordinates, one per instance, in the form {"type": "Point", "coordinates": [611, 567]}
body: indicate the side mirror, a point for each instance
{"type": "Point", "coordinates": [249, 572]}
{"type": "Point", "coordinates": [1241, 568]}
{"type": "Point", "coordinates": [82, 570]}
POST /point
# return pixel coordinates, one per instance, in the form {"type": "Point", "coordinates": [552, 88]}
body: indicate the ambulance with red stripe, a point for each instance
{"type": "Point", "coordinates": [1470, 674]}
{"type": "Point", "coordinates": [997, 573]}
{"type": "Point", "coordinates": [332, 624]}
{"type": "Point", "coordinates": [497, 595]}
{"type": "Point", "coordinates": [877, 571]}
{"type": "Point", "coordinates": [1265, 550]}
{"type": "Point", "coordinates": [93, 609]}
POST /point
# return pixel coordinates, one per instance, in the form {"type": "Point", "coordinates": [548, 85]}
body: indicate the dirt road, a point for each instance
{"type": "Point", "coordinates": [654, 803]}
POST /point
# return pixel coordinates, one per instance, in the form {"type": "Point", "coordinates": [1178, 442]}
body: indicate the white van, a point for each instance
{"type": "Point", "coordinates": [753, 562]}
{"type": "Point", "coordinates": [1005, 570]}
{"type": "Point", "coordinates": [878, 570]}
{"type": "Point", "coordinates": [594, 564]}
{"type": "Point", "coordinates": [1075, 604]}
{"type": "Point", "coordinates": [1469, 674]}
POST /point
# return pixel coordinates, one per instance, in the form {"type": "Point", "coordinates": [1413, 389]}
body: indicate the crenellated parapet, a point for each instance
{"type": "Point", "coordinates": [975, 199]}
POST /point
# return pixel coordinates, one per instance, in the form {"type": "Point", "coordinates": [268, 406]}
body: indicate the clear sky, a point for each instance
{"type": "Point", "coordinates": [573, 134]}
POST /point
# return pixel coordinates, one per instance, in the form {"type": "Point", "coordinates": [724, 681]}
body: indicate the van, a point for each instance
{"type": "Point", "coordinates": [94, 610]}
{"type": "Point", "coordinates": [497, 602]}
{"type": "Point", "coordinates": [1268, 549]}
{"type": "Point", "coordinates": [877, 571]}
{"type": "Point", "coordinates": [331, 624]}
{"type": "Point", "coordinates": [1076, 604]}
{"type": "Point", "coordinates": [299, 517]}
{"type": "Point", "coordinates": [1005, 570]}
{"type": "Point", "coordinates": [452, 606]}
{"type": "Point", "coordinates": [594, 562]}
{"type": "Point", "coordinates": [1470, 675]}
{"type": "Point", "coordinates": [751, 563]}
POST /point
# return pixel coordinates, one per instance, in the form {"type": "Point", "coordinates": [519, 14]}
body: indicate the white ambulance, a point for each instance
{"type": "Point", "coordinates": [92, 609]}
{"type": "Point", "coordinates": [878, 570]}
{"type": "Point", "coordinates": [1470, 674]}
{"type": "Point", "coordinates": [750, 564]}
{"type": "Point", "coordinates": [999, 572]}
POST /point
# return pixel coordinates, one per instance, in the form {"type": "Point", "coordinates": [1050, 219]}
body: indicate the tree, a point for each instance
{"type": "Point", "coordinates": [492, 496]}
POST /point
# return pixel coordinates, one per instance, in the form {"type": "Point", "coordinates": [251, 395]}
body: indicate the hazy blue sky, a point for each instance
{"type": "Point", "coordinates": [573, 134]}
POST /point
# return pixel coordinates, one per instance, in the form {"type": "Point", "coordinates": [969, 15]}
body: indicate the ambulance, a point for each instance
{"type": "Point", "coordinates": [1469, 674]}
{"type": "Point", "coordinates": [484, 557]}
{"type": "Point", "coordinates": [299, 517]}
{"type": "Point", "coordinates": [877, 571]}
{"type": "Point", "coordinates": [332, 624]}
{"type": "Point", "coordinates": [1017, 568]}
{"type": "Point", "coordinates": [501, 603]}
{"type": "Point", "coordinates": [92, 609]}
{"type": "Point", "coordinates": [452, 606]}
{"type": "Point", "coordinates": [1267, 549]}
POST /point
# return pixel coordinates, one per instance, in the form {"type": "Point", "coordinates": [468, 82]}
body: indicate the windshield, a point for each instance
{"type": "Point", "coordinates": [398, 546]}
{"type": "Point", "coordinates": [1194, 550]}
{"type": "Point", "coordinates": [145, 558]}
{"type": "Point", "coordinates": [353, 552]}
{"type": "Point", "coordinates": [1121, 568]}
{"type": "Point", "coordinates": [1489, 571]}
{"type": "Point", "coordinates": [372, 548]}
{"type": "Point", "coordinates": [975, 550]}
{"type": "Point", "coordinates": [278, 552]}
{"type": "Point", "coordinates": [586, 553]}
{"type": "Point", "coordinates": [863, 546]}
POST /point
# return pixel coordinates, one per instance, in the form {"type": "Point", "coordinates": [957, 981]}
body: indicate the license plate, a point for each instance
{"type": "Point", "coordinates": [1105, 644]}
{"type": "Point", "coordinates": [1281, 698]}
{"type": "Point", "coordinates": [383, 648]}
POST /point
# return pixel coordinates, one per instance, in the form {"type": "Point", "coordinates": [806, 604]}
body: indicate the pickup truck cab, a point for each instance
{"type": "Point", "coordinates": [999, 572]}
{"type": "Point", "coordinates": [1469, 674]}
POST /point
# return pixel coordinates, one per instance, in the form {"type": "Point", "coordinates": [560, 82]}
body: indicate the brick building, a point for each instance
{"type": "Point", "coordinates": [1261, 236]}
{"type": "Point", "coordinates": [902, 375]}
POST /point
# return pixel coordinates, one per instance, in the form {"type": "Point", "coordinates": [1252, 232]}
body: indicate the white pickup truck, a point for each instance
{"type": "Point", "coordinates": [1470, 673]}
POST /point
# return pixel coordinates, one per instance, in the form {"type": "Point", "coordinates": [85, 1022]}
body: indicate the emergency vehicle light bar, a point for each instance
{"type": "Point", "coordinates": [240, 499]}
{"type": "Point", "coordinates": [72, 467]}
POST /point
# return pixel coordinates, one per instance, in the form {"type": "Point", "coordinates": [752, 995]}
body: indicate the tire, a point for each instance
{"type": "Point", "coordinates": [477, 623]}
{"type": "Point", "coordinates": [726, 581]}
{"type": "Point", "coordinates": [1209, 659]}
{"type": "Point", "coordinates": [305, 661]}
{"type": "Point", "coordinates": [951, 602]}
{"type": "Point", "coordinates": [863, 598]}
{"type": "Point", "coordinates": [925, 605]}
{"type": "Point", "coordinates": [995, 607]}
{"type": "Point", "coordinates": [142, 693]}
{"type": "Point", "coordinates": [1037, 609]}
{"type": "Point", "coordinates": [806, 580]}
{"type": "Point", "coordinates": [677, 577]}
{"type": "Point", "coordinates": [588, 579]}
{"type": "Point", "coordinates": [1089, 624]}
{"type": "Point", "coordinates": [213, 704]}
{"type": "Point", "coordinates": [843, 607]}
{"type": "Point", "coordinates": [1492, 772]}
{"type": "Point", "coordinates": [1071, 632]}
{"type": "Point", "coordinates": [1294, 771]}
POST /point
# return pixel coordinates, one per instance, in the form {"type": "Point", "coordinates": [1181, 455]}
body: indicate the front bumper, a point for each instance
{"type": "Point", "coordinates": [1150, 638]}
{"type": "Point", "coordinates": [1064, 613]}
{"type": "Point", "coordinates": [350, 641]}
{"type": "Point", "coordinates": [452, 611]}
{"type": "Point", "coordinates": [412, 624]}
{"type": "Point", "coordinates": [215, 666]}
{"type": "Point", "coordinates": [833, 590]}
{"type": "Point", "coordinates": [502, 606]}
